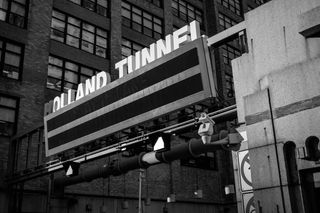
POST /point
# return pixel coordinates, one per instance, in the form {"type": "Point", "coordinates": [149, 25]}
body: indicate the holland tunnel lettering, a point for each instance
{"type": "Point", "coordinates": [176, 80]}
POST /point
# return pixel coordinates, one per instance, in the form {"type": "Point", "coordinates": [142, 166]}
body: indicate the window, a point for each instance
{"type": "Point", "coordinates": [8, 115]}
{"type": "Point", "coordinates": [11, 59]}
{"type": "Point", "coordinates": [233, 5]}
{"type": "Point", "coordinates": [129, 47]}
{"type": "Point", "coordinates": [229, 53]}
{"type": "Point", "coordinates": [141, 21]}
{"type": "Point", "coordinates": [158, 3]}
{"type": "Point", "coordinates": [229, 85]}
{"type": "Point", "coordinates": [64, 74]}
{"type": "Point", "coordinates": [97, 6]}
{"type": "Point", "coordinates": [14, 12]}
{"type": "Point", "coordinates": [175, 28]}
{"type": "Point", "coordinates": [79, 34]}
{"type": "Point", "coordinates": [186, 11]}
{"type": "Point", "coordinates": [259, 2]}
{"type": "Point", "coordinates": [225, 22]}
{"type": "Point", "coordinates": [250, 8]}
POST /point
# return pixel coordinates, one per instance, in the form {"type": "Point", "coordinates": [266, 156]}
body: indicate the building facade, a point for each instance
{"type": "Point", "coordinates": [277, 93]}
{"type": "Point", "coordinates": [47, 47]}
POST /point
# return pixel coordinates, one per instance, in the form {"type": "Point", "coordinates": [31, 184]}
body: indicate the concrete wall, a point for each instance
{"type": "Point", "coordinates": [277, 94]}
{"type": "Point", "coordinates": [274, 43]}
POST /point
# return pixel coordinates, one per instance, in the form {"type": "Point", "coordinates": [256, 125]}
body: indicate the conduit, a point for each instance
{"type": "Point", "coordinates": [120, 166]}
{"type": "Point", "coordinates": [276, 150]}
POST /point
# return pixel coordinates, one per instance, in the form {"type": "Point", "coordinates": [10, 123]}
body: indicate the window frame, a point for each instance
{"type": "Point", "coordinates": [131, 47]}
{"type": "Point", "coordinates": [224, 18]}
{"type": "Point", "coordinates": [230, 92]}
{"type": "Point", "coordinates": [63, 68]}
{"type": "Point", "coordinates": [177, 12]}
{"type": "Point", "coordinates": [259, 2]}
{"type": "Point", "coordinates": [16, 111]}
{"type": "Point", "coordinates": [95, 10]}
{"type": "Point", "coordinates": [131, 23]}
{"type": "Point", "coordinates": [9, 12]}
{"type": "Point", "coordinates": [160, 5]}
{"type": "Point", "coordinates": [3, 50]}
{"type": "Point", "coordinates": [81, 38]}
{"type": "Point", "coordinates": [232, 5]}
{"type": "Point", "coordinates": [227, 48]}
{"type": "Point", "coordinates": [132, 43]}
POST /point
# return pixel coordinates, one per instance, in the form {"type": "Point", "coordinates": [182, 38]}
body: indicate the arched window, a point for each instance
{"type": "Point", "coordinates": [313, 152]}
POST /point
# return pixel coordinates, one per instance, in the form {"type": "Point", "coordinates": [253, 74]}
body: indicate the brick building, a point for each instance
{"type": "Point", "coordinates": [49, 46]}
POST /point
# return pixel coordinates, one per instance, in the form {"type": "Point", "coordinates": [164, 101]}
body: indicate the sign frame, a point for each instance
{"type": "Point", "coordinates": [204, 68]}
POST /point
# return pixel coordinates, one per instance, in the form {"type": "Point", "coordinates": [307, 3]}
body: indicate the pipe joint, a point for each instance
{"type": "Point", "coordinates": [191, 150]}
{"type": "Point", "coordinates": [142, 164]}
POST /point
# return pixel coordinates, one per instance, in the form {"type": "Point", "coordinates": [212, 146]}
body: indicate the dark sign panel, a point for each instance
{"type": "Point", "coordinates": [179, 79]}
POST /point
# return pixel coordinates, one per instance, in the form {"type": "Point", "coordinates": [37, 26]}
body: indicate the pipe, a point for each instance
{"type": "Point", "coordinates": [140, 190]}
{"type": "Point", "coordinates": [120, 166]}
{"type": "Point", "coordinates": [49, 193]}
{"type": "Point", "coordinates": [276, 150]}
{"type": "Point", "coordinates": [214, 116]}
{"type": "Point", "coordinates": [191, 122]}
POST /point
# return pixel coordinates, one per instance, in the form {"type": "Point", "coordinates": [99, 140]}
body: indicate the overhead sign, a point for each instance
{"type": "Point", "coordinates": [176, 80]}
{"type": "Point", "coordinates": [141, 58]}
{"type": "Point", "coordinates": [158, 49]}
{"type": "Point", "coordinates": [96, 82]}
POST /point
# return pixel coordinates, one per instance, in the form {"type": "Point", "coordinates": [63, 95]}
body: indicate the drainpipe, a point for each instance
{"type": "Point", "coordinates": [276, 150]}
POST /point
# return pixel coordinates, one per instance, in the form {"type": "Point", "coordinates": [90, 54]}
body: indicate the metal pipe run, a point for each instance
{"type": "Point", "coordinates": [120, 166]}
